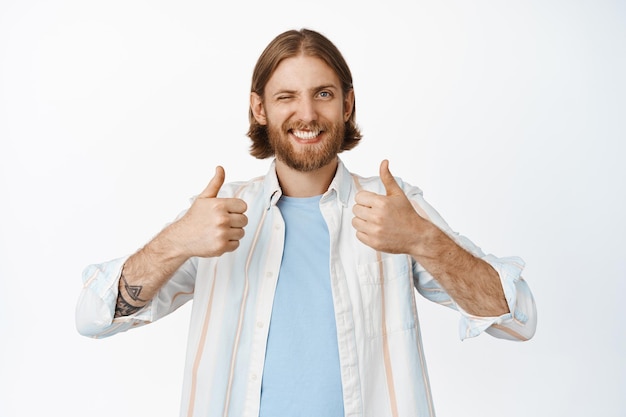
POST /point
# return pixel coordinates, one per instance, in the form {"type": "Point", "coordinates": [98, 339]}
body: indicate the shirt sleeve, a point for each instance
{"type": "Point", "coordinates": [521, 321]}
{"type": "Point", "coordinates": [95, 309]}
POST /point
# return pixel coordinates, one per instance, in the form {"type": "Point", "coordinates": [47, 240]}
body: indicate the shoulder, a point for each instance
{"type": "Point", "coordinates": [246, 190]}
{"type": "Point", "coordinates": [375, 185]}
{"type": "Point", "coordinates": [242, 189]}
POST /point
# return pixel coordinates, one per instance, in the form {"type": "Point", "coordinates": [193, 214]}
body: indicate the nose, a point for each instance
{"type": "Point", "coordinates": [306, 111]}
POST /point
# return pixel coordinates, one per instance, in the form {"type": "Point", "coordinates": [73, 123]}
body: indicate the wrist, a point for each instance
{"type": "Point", "coordinates": [430, 243]}
{"type": "Point", "coordinates": [168, 247]}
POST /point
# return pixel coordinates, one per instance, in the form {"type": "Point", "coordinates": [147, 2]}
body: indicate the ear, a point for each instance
{"type": "Point", "coordinates": [348, 105]}
{"type": "Point", "coordinates": [256, 106]}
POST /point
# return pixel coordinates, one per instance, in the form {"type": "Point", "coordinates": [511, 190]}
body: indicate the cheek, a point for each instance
{"type": "Point", "coordinates": [334, 114]}
{"type": "Point", "coordinates": [278, 113]}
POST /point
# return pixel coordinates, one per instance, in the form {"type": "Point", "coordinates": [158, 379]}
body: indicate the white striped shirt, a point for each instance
{"type": "Point", "coordinates": [383, 370]}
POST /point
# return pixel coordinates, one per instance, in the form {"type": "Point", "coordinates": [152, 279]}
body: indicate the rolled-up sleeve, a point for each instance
{"type": "Point", "coordinates": [95, 309]}
{"type": "Point", "coordinates": [521, 321]}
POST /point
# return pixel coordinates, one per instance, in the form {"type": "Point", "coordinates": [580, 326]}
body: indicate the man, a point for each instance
{"type": "Point", "coordinates": [303, 280]}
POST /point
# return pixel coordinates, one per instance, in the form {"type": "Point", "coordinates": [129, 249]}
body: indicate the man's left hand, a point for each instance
{"type": "Point", "coordinates": [388, 223]}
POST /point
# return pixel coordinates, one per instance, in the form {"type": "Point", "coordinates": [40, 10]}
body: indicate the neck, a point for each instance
{"type": "Point", "coordinates": [305, 184]}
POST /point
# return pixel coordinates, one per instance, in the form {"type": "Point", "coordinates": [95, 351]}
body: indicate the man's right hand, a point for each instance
{"type": "Point", "coordinates": [212, 225]}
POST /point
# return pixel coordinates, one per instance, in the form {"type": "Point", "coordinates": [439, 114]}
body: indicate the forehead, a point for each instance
{"type": "Point", "coordinates": [302, 73]}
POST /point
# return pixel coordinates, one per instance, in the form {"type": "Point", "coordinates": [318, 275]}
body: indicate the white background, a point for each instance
{"type": "Point", "coordinates": [509, 115]}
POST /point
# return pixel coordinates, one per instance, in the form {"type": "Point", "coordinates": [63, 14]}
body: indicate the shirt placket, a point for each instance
{"type": "Point", "coordinates": [274, 238]}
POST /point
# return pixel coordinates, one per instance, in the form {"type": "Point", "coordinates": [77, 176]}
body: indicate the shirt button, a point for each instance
{"type": "Point", "coordinates": [259, 324]}
{"type": "Point", "coordinates": [268, 274]}
{"type": "Point", "coordinates": [253, 377]}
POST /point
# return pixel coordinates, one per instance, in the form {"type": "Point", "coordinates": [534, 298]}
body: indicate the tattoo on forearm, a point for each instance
{"type": "Point", "coordinates": [133, 290]}
{"type": "Point", "coordinates": [123, 308]}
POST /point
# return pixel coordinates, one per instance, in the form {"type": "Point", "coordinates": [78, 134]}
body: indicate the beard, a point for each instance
{"type": "Point", "coordinates": [310, 157]}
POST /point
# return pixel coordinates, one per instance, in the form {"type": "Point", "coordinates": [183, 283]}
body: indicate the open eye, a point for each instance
{"type": "Point", "coordinates": [325, 94]}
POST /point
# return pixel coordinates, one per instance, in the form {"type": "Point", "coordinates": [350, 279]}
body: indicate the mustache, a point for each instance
{"type": "Point", "coordinates": [312, 126]}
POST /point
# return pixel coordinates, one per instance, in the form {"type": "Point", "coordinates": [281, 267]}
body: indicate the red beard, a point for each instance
{"type": "Point", "coordinates": [311, 157]}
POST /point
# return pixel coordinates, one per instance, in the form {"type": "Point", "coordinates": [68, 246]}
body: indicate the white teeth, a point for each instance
{"type": "Point", "coordinates": [306, 135]}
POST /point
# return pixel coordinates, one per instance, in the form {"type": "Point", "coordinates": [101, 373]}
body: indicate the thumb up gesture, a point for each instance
{"type": "Point", "coordinates": [387, 223]}
{"type": "Point", "coordinates": [212, 225]}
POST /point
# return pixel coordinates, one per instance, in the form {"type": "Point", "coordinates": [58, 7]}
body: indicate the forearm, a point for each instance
{"type": "Point", "coordinates": [145, 272]}
{"type": "Point", "coordinates": [471, 282]}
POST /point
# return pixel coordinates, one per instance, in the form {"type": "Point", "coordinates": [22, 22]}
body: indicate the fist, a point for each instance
{"type": "Point", "coordinates": [387, 223]}
{"type": "Point", "coordinates": [212, 226]}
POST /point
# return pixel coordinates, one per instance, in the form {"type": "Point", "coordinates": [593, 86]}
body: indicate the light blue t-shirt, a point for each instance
{"type": "Point", "coordinates": [301, 377]}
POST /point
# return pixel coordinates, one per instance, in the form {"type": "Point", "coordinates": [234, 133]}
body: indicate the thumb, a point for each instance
{"type": "Point", "coordinates": [391, 186]}
{"type": "Point", "coordinates": [215, 184]}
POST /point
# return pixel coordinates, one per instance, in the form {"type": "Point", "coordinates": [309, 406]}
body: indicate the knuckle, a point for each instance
{"type": "Point", "coordinates": [218, 204]}
{"type": "Point", "coordinates": [222, 220]}
{"type": "Point", "coordinates": [220, 237]}
{"type": "Point", "coordinates": [378, 230]}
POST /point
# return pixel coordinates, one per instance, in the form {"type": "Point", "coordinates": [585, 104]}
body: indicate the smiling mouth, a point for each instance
{"type": "Point", "coordinates": [306, 134]}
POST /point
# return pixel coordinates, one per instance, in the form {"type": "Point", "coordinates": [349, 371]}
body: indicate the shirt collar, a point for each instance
{"type": "Point", "coordinates": [341, 185]}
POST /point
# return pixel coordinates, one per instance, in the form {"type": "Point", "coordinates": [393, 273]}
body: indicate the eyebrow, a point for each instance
{"type": "Point", "coordinates": [325, 87]}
